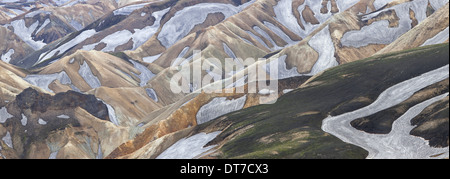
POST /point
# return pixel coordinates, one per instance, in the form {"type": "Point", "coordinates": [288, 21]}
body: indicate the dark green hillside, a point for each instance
{"type": "Point", "coordinates": [291, 128]}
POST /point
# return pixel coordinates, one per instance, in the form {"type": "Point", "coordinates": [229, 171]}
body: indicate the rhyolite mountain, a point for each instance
{"type": "Point", "coordinates": [91, 79]}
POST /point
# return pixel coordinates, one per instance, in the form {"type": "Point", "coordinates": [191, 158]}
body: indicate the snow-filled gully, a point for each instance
{"type": "Point", "coordinates": [398, 143]}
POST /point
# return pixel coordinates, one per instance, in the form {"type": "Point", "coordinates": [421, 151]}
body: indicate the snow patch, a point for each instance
{"type": "Point", "coordinates": [75, 24]}
{"type": "Point", "coordinates": [189, 148]}
{"type": "Point", "coordinates": [34, 13]}
{"type": "Point", "coordinates": [63, 116]}
{"type": "Point", "coordinates": [439, 38]}
{"type": "Point", "coordinates": [218, 107]}
{"type": "Point", "coordinates": [257, 39]}
{"type": "Point", "coordinates": [380, 3]}
{"type": "Point", "coordinates": [24, 120]}
{"type": "Point", "coordinates": [184, 20]}
{"type": "Point", "coordinates": [24, 33]}
{"type": "Point", "coordinates": [266, 92]}
{"type": "Point", "coordinates": [4, 115]}
{"type": "Point", "coordinates": [7, 56]}
{"type": "Point", "coordinates": [43, 81]}
{"type": "Point", "coordinates": [42, 122]}
{"type": "Point", "coordinates": [64, 47]}
{"type": "Point", "coordinates": [86, 73]}
{"type": "Point", "coordinates": [112, 114]}
{"type": "Point", "coordinates": [145, 76]}
{"type": "Point", "coordinates": [151, 59]}
{"type": "Point", "coordinates": [345, 4]}
{"type": "Point", "coordinates": [139, 37]}
{"type": "Point", "coordinates": [228, 51]}
{"type": "Point", "coordinates": [283, 72]}
{"type": "Point", "coordinates": [46, 22]}
{"type": "Point", "coordinates": [437, 4]}
{"type": "Point", "coordinates": [322, 43]}
{"type": "Point", "coordinates": [53, 155]}
{"type": "Point", "coordinates": [115, 39]}
{"type": "Point", "coordinates": [284, 15]}
{"type": "Point", "coordinates": [8, 140]}
{"type": "Point", "coordinates": [61, 2]}
{"type": "Point", "coordinates": [287, 91]}
{"type": "Point", "coordinates": [127, 10]}
{"type": "Point", "coordinates": [152, 94]}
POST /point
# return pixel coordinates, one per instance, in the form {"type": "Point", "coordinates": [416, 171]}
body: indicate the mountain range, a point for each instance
{"type": "Point", "coordinates": [94, 79]}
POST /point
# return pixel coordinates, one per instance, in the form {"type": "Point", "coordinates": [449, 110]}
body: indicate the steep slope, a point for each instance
{"type": "Point", "coordinates": [292, 127]}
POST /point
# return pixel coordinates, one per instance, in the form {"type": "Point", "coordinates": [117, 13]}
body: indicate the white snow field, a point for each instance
{"type": "Point", "coordinates": [218, 107]}
{"type": "Point", "coordinates": [88, 76]}
{"type": "Point", "coordinates": [139, 37]}
{"type": "Point", "coordinates": [24, 120]}
{"type": "Point", "coordinates": [399, 143]}
{"type": "Point", "coordinates": [322, 43]}
{"type": "Point", "coordinates": [112, 114]}
{"type": "Point", "coordinates": [66, 46]}
{"type": "Point", "coordinates": [441, 37]}
{"type": "Point", "coordinates": [151, 59]}
{"type": "Point", "coordinates": [7, 56]}
{"type": "Point", "coordinates": [24, 33]}
{"type": "Point", "coordinates": [152, 94]}
{"type": "Point", "coordinates": [283, 72]}
{"type": "Point", "coordinates": [127, 10]}
{"type": "Point", "coordinates": [4, 115]}
{"type": "Point", "coordinates": [46, 22]}
{"type": "Point", "coordinates": [145, 75]}
{"type": "Point", "coordinates": [8, 140]}
{"type": "Point", "coordinates": [189, 148]}
{"type": "Point", "coordinates": [184, 20]}
{"type": "Point", "coordinates": [43, 81]}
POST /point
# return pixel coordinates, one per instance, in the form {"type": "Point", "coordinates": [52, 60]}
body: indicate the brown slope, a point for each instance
{"type": "Point", "coordinates": [11, 82]}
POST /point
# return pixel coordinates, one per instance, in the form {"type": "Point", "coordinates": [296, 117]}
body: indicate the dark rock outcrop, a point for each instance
{"type": "Point", "coordinates": [40, 102]}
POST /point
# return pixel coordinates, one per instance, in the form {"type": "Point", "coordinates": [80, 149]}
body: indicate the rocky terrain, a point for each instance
{"type": "Point", "coordinates": [94, 79]}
